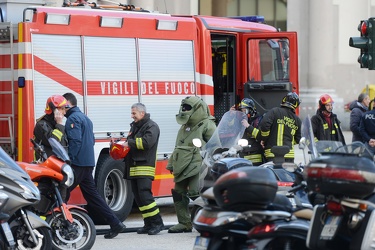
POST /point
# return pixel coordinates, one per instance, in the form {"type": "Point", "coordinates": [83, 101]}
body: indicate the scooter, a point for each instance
{"type": "Point", "coordinates": [29, 231]}
{"type": "Point", "coordinates": [346, 177]}
{"type": "Point", "coordinates": [71, 225]}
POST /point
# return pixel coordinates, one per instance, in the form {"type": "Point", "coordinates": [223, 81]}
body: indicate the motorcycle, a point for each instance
{"type": "Point", "coordinates": [346, 178]}
{"type": "Point", "coordinates": [222, 153]}
{"type": "Point", "coordinates": [6, 237]}
{"type": "Point", "coordinates": [245, 201]}
{"type": "Point", "coordinates": [29, 231]}
{"type": "Point", "coordinates": [72, 228]}
{"type": "Point", "coordinates": [223, 227]}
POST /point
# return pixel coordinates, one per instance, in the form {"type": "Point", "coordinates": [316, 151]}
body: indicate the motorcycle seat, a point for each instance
{"type": "Point", "coordinates": [209, 194]}
{"type": "Point", "coordinates": [304, 214]}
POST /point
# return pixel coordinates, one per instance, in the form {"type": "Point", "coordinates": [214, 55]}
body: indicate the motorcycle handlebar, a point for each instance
{"type": "Point", "coordinates": [301, 186]}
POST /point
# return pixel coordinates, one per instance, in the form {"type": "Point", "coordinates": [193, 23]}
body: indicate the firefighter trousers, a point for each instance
{"type": "Point", "coordinates": [143, 197]}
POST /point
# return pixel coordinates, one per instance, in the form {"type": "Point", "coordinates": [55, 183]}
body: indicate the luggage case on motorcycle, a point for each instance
{"type": "Point", "coordinates": [245, 188]}
{"type": "Point", "coordinates": [222, 166]}
{"type": "Point", "coordinates": [342, 175]}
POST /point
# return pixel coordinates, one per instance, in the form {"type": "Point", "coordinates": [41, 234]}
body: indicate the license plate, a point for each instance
{"type": "Point", "coordinates": [201, 243]}
{"type": "Point", "coordinates": [330, 227]}
{"type": "Point", "coordinates": [7, 232]}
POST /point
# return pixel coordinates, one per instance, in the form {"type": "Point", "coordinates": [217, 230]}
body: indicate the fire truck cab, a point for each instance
{"type": "Point", "coordinates": [111, 58]}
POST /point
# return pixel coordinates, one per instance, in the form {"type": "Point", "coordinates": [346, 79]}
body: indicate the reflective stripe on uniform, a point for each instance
{"type": "Point", "coordinates": [254, 158]}
{"type": "Point", "coordinates": [150, 214]}
{"type": "Point", "coordinates": [139, 143]}
{"type": "Point", "coordinates": [147, 207]}
{"type": "Point", "coordinates": [57, 133]}
{"type": "Point", "coordinates": [142, 171]}
{"type": "Point", "coordinates": [265, 133]}
{"type": "Point", "coordinates": [280, 134]}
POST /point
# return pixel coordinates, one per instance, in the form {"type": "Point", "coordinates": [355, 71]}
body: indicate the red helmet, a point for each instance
{"type": "Point", "coordinates": [118, 151]}
{"type": "Point", "coordinates": [324, 99]}
{"type": "Point", "coordinates": [53, 102]}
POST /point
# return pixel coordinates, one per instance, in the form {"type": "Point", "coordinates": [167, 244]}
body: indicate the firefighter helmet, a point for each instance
{"type": "Point", "coordinates": [325, 99]}
{"type": "Point", "coordinates": [118, 151]}
{"type": "Point", "coordinates": [291, 100]}
{"type": "Point", "coordinates": [249, 105]}
{"type": "Point", "coordinates": [53, 102]}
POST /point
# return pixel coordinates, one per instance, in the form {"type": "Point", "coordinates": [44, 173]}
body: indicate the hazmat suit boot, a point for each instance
{"type": "Point", "coordinates": [156, 225]}
{"type": "Point", "coordinates": [181, 204]}
{"type": "Point", "coordinates": [146, 227]}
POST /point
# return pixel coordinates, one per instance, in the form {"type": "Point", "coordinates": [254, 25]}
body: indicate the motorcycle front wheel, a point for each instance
{"type": "Point", "coordinates": [24, 240]}
{"type": "Point", "coordinates": [80, 234]}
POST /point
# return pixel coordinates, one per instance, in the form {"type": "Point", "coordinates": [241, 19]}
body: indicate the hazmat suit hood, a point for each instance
{"type": "Point", "coordinates": [192, 110]}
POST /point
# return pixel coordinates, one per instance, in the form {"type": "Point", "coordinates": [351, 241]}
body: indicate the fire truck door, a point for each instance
{"type": "Point", "coordinates": [270, 61]}
{"type": "Point", "coordinates": [223, 65]}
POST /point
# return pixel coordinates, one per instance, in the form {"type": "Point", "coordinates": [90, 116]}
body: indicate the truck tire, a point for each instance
{"type": "Point", "coordinates": [115, 190]}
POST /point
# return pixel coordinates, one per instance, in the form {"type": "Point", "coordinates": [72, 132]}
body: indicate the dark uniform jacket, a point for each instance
{"type": "Point", "coordinates": [256, 152]}
{"type": "Point", "coordinates": [80, 132]}
{"type": "Point", "coordinates": [367, 125]}
{"type": "Point", "coordinates": [45, 128]}
{"type": "Point", "coordinates": [280, 127]}
{"type": "Point", "coordinates": [322, 131]}
{"type": "Point", "coordinates": [357, 110]}
{"type": "Point", "coordinates": [143, 139]}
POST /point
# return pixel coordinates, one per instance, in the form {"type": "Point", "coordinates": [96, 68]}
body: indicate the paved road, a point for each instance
{"type": "Point", "coordinates": [162, 241]}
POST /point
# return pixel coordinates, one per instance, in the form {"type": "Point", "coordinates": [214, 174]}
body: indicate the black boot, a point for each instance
{"type": "Point", "coordinates": [156, 225]}
{"type": "Point", "coordinates": [146, 227]}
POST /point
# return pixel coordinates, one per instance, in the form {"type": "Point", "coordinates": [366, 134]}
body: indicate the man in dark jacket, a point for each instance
{"type": "Point", "coordinates": [367, 129]}
{"type": "Point", "coordinates": [50, 125]}
{"type": "Point", "coordinates": [81, 140]}
{"type": "Point", "coordinates": [358, 108]}
{"type": "Point", "coordinates": [280, 126]}
{"type": "Point", "coordinates": [325, 124]}
{"type": "Point", "coordinates": [255, 153]}
{"type": "Point", "coordinates": [143, 139]}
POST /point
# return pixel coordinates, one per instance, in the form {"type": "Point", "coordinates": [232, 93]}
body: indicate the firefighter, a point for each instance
{"type": "Point", "coordinates": [143, 139]}
{"type": "Point", "coordinates": [185, 162]}
{"type": "Point", "coordinates": [51, 124]}
{"type": "Point", "coordinates": [280, 126]}
{"type": "Point", "coordinates": [256, 152]}
{"type": "Point", "coordinates": [325, 124]}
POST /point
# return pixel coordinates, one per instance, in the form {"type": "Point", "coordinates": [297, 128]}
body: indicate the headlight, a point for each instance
{"type": "Point", "coordinates": [69, 175]}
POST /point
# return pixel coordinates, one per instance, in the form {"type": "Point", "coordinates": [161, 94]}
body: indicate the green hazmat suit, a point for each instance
{"type": "Point", "coordinates": [185, 162]}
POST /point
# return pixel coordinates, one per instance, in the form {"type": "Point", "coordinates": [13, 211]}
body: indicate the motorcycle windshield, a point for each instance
{"type": "Point", "coordinates": [6, 162]}
{"type": "Point", "coordinates": [58, 150]}
{"type": "Point", "coordinates": [227, 133]}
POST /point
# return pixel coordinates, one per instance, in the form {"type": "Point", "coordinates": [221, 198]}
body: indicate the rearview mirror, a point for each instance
{"type": "Point", "coordinates": [302, 143]}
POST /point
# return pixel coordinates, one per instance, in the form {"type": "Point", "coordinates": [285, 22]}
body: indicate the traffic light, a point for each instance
{"type": "Point", "coordinates": [366, 42]}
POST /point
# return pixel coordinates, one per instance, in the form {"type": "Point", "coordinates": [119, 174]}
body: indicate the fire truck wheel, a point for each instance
{"type": "Point", "coordinates": [113, 188]}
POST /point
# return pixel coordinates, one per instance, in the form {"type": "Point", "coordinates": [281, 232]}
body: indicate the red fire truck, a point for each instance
{"type": "Point", "coordinates": [111, 59]}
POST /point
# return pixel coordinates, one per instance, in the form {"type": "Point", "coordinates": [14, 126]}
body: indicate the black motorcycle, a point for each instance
{"type": "Point", "coordinates": [243, 202]}
{"type": "Point", "coordinates": [346, 178]}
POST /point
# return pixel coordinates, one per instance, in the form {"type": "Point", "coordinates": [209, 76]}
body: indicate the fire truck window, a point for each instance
{"type": "Point", "coordinates": [274, 60]}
